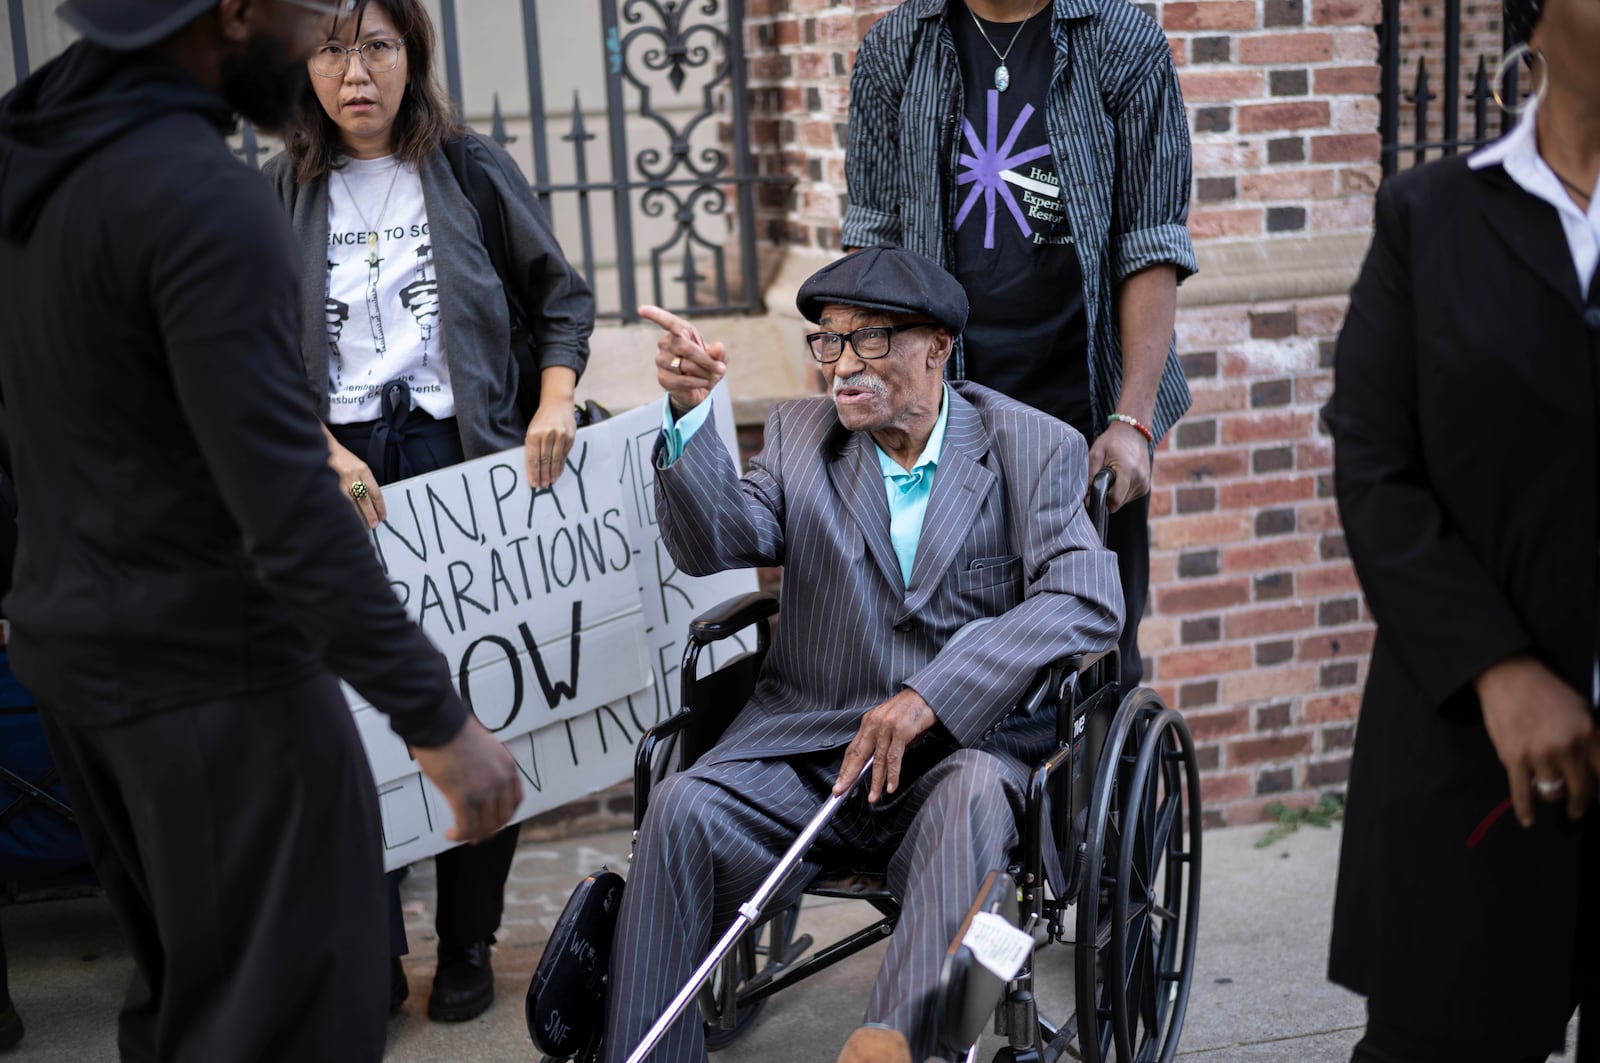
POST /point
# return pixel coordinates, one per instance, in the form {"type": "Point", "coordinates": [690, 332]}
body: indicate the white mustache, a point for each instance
{"type": "Point", "coordinates": [862, 380]}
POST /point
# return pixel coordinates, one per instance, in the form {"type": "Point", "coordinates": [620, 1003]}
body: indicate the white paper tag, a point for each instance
{"type": "Point", "coordinates": [998, 945]}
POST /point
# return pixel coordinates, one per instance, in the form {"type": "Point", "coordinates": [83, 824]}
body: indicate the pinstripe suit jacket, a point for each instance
{"type": "Point", "coordinates": [1005, 537]}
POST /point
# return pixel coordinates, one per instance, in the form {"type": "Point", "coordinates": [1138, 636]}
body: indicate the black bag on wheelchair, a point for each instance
{"type": "Point", "coordinates": [565, 1008]}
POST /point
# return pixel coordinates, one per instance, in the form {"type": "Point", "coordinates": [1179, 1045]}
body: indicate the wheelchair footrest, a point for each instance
{"type": "Point", "coordinates": [969, 990]}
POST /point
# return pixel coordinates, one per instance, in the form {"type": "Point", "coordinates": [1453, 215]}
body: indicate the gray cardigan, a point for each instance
{"type": "Point", "coordinates": [483, 372]}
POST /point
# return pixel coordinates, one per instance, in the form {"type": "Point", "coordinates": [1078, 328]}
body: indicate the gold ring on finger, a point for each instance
{"type": "Point", "coordinates": [358, 490]}
{"type": "Point", "coordinates": [674, 364]}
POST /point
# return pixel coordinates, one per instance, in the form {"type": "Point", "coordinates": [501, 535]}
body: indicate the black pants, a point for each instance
{"type": "Point", "coordinates": [238, 843]}
{"type": "Point", "coordinates": [1389, 1044]}
{"type": "Point", "coordinates": [472, 878]}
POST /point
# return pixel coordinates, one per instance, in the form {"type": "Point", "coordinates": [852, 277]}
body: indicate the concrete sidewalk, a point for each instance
{"type": "Point", "coordinates": [1259, 992]}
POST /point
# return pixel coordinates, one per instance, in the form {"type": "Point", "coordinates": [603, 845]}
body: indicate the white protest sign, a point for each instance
{"type": "Point", "coordinates": [590, 748]}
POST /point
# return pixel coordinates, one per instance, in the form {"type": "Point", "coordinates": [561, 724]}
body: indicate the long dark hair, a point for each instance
{"type": "Point", "coordinates": [424, 121]}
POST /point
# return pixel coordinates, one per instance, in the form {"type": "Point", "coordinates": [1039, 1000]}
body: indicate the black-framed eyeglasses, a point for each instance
{"type": "Point", "coordinates": [336, 8]}
{"type": "Point", "coordinates": [868, 343]}
{"type": "Point", "coordinates": [378, 55]}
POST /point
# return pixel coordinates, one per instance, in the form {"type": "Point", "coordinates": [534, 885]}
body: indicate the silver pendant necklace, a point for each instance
{"type": "Point", "coordinates": [1002, 75]}
{"type": "Point", "coordinates": [371, 233]}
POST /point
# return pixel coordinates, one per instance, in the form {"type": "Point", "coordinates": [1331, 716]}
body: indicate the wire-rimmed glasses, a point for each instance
{"type": "Point", "coordinates": [378, 55]}
{"type": "Point", "coordinates": [869, 342]}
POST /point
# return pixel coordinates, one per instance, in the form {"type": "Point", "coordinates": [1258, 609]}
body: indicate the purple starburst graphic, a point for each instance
{"type": "Point", "coordinates": [986, 164]}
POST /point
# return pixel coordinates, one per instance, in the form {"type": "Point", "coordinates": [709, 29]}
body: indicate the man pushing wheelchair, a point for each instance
{"type": "Point", "coordinates": [903, 509]}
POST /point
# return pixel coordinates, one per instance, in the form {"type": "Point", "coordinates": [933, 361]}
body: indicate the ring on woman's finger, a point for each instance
{"type": "Point", "coordinates": [1549, 787]}
{"type": "Point", "coordinates": [358, 490]}
{"type": "Point", "coordinates": [674, 364]}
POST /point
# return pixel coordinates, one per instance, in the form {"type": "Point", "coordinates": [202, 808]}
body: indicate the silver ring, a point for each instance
{"type": "Point", "coordinates": [674, 364]}
{"type": "Point", "coordinates": [1549, 787]}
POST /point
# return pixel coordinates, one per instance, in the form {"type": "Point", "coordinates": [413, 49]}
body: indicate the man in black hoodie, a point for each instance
{"type": "Point", "coordinates": [189, 574]}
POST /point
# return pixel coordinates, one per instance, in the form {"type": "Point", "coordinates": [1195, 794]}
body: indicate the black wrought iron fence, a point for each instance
{"type": "Point", "coordinates": [1424, 121]}
{"type": "Point", "coordinates": [19, 38]}
{"type": "Point", "coordinates": [678, 194]}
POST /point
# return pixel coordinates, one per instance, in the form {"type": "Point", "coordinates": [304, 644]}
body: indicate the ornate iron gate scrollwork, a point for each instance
{"type": "Point", "coordinates": [657, 54]}
{"type": "Point", "coordinates": [651, 48]}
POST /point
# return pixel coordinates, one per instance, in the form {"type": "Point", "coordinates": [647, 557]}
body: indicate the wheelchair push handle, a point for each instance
{"type": "Point", "coordinates": [1098, 504]}
{"type": "Point", "coordinates": [749, 912]}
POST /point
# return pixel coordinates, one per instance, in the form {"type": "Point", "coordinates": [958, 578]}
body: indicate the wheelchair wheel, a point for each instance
{"type": "Point", "coordinates": [762, 950]}
{"type": "Point", "coordinates": [1139, 906]}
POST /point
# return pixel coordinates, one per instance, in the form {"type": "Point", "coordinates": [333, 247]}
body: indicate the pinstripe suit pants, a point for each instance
{"type": "Point", "coordinates": [714, 832]}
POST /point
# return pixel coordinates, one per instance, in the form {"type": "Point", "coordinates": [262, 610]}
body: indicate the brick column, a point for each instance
{"type": "Point", "coordinates": [1257, 629]}
{"type": "Point", "coordinates": [801, 53]}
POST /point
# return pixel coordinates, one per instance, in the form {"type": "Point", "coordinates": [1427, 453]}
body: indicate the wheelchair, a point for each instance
{"type": "Point", "coordinates": [1108, 865]}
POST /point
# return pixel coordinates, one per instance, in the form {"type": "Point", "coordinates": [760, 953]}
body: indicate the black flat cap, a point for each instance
{"type": "Point", "coordinates": [125, 25]}
{"type": "Point", "coordinates": [886, 278]}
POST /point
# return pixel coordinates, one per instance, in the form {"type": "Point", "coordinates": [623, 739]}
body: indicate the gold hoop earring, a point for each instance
{"type": "Point", "coordinates": [1521, 50]}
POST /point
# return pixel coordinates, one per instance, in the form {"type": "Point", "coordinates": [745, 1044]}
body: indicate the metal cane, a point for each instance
{"type": "Point", "coordinates": [749, 912]}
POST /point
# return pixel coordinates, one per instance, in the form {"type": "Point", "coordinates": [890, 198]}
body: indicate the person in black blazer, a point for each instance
{"type": "Point", "coordinates": [1466, 419]}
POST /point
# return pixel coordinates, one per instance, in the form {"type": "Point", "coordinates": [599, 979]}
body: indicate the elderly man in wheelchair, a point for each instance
{"type": "Point", "coordinates": [940, 574]}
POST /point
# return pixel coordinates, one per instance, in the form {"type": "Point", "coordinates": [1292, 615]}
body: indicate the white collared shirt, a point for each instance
{"type": "Point", "coordinates": [1518, 152]}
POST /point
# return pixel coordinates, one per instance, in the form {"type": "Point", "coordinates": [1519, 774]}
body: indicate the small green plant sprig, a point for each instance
{"type": "Point", "coordinates": [1329, 807]}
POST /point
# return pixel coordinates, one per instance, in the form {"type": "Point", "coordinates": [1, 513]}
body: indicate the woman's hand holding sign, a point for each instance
{"type": "Point", "coordinates": [687, 368]}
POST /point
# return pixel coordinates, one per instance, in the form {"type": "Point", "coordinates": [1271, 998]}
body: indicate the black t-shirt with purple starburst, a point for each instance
{"type": "Point", "coordinates": [1027, 335]}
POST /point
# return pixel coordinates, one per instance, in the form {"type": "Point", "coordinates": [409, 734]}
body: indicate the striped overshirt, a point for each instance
{"type": "Point", "coordinates": [1117, 131]}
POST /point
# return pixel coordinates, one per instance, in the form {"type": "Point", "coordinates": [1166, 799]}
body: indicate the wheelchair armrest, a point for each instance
{"type": "Point", "coordinates": [1049, 679]}
{"type": "Point", "coordinates": [732, 616]}
{"type": "Point", "coordinates": [1082, 662]}
{"type": "Point", "coordinates": [644, 755]}
{"type": "Point", "coordinates": [690, 726]}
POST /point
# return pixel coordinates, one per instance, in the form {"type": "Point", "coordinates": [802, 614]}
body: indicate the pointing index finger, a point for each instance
{"type": "Point", "coordinates": [670, 322]}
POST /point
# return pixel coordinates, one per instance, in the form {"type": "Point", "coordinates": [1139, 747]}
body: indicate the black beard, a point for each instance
{"type": "Point", "coordinates": [260, 84]}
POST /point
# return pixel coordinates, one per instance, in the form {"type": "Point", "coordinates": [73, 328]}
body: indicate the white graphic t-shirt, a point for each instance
{"type": "Point", "coordinates": [382, 305]}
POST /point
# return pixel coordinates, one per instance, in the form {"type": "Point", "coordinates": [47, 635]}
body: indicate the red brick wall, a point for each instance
{"type": "Point", "coordinates": [1256, 627]}
{"type": "Point", "coordinates": [800, 54]}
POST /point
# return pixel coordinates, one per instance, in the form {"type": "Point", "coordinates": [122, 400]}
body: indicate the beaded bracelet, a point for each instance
{"type": "Point", "coordinates": [1149, 436]}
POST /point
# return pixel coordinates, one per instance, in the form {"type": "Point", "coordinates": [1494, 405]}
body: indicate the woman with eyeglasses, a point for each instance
{"type": "Point", "coordinates": [418, 356]}
{"type": "Point", "coordinates": [1466, 424]}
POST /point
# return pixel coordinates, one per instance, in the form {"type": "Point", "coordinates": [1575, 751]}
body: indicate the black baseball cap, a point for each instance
{"type": "Point", "coordinates": [886, 278]}
{"type": "Point", "coordinates": [126, 25]}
